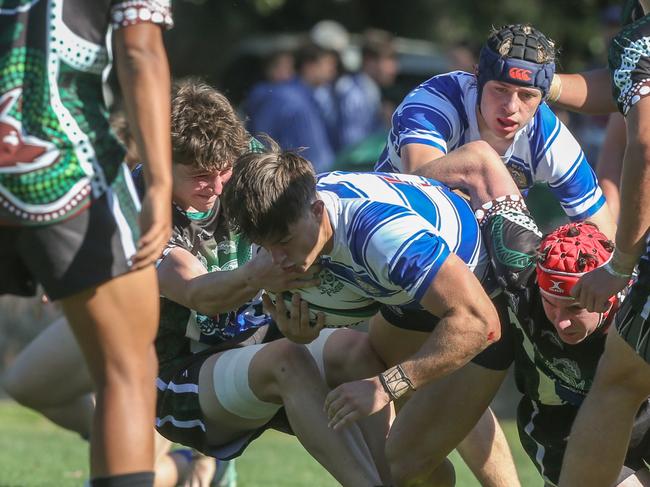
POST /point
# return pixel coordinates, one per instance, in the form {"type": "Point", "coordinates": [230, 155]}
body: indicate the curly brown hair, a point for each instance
{"type": "Point", "coordinates": [206, 131]}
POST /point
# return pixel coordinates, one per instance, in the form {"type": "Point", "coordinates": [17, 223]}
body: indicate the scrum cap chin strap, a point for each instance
{"type": "Point", "coordinates": [494, 67]}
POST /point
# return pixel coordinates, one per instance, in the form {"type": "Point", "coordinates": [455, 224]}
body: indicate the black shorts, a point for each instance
{"type": "Point", "coordinates": [497, 356]}
{"type": "Point", "coordinates": [544, 431]}
{"type": "Point", "coordinates": [179, 417]}
{"type": "Point", "coordinates": [76, 254]}
{"type": "Point", "coordinates": [632, 321]}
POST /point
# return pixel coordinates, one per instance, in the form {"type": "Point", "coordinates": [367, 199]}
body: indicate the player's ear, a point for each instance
{"type": "Point", "coordinates": [317, 208]}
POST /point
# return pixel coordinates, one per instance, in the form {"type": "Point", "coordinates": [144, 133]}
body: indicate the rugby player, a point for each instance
{"type": "Point", "coordinates": [622, 380]}
{"type": "Point", "coordinates": [478, 132]}
{"type": "Point", "coordinates": [406, 241]}
{"type": "Point", "coordinates": [68, 212]}
{"type": "Point", "coordinates": [225, 373]}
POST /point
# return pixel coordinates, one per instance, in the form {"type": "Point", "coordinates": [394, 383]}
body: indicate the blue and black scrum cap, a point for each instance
{"type": "Point", "coordinates": [520, 65]}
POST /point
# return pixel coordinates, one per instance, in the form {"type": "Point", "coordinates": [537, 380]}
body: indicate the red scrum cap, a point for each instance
{"type": "Point", "coordinates": [569, 252]}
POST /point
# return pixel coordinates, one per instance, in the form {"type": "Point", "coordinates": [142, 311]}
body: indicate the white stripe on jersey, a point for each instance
{"type": "Point", "coordinates": [441, 113]}
{"type": "Point", "coordinates": [392, 232]}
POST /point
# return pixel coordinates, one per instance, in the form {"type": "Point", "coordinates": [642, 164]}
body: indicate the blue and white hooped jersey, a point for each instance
{"type": "Point", "coordinates": [441, 112]}
{"type": "Point", "coordinates": [392, 233]}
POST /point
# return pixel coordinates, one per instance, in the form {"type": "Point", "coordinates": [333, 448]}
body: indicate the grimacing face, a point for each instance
{"type": "Point", "coordinates": [195, 189]}
{"type": "Point", "coordinates": [572, 322]}
{"type": "Point", "coordinates": [305, 242]}
{"type": "Point", "coordinates": [506, 108]}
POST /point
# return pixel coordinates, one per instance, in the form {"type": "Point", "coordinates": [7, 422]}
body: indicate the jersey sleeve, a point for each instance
{"type": "Point", "coordinates": [397, 247]}
{"type": "Point", "coordinates": [428, 116]}
{"type": "Point", "coordinates": [629, 65]}
{"type": "Point", "coordinates": [559, 161]}
{"type": "Point", "coordinates": [124, 13]}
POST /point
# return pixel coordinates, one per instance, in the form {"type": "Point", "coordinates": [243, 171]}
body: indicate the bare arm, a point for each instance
{"type": "Point", "coordinates": [604, 221]}
{"type": "Point", "coordinates": [635, 183]}
{"type": "Point", "coordinates": [475, 168]}
{"type": "Point", "coordinates": [184, 279]}
{"type": "Point", "coordinates": [588, 92]}
{"type": "Point", "coordinates": [469, 323]}
{"type": "Point", "coordinates": [596, 287]}
{"type": "Point", "coordinates": [144, 77]}
{"type": "Point", "coordinates": [610, 162]}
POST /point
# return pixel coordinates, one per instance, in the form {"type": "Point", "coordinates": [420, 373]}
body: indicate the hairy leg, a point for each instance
{"type": "Point", "coordinates": [470, 392]}
{"type": "Point", "coordinates": [621, 384]}
{"type": "Point", "coordinates": [115, 325]}
{"type": "Point", "coordinates": [50, 376]}
{"type": "Point", "coordinates": [435, 420]}
{"type": "Point", "coordinates": [285, 373]}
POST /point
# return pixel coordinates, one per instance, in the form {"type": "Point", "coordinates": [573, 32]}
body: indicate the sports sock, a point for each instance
{"type": "Point", "coordinates": [138, 479]}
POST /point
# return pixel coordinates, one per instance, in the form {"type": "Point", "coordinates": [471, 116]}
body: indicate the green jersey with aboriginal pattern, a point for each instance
{"type": "Point", "coordinates": [57, 152]}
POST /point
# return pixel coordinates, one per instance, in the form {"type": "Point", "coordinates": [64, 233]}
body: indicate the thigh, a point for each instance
{"type": "Point", "coordinates": [393, 344]}
{"type": "Point", "coordinates": [51, 369]}
{"type": "Point", "coordinates": [233, 386]}
{"type": "Point", "coordinates": [438, 416]}
{"type": "Point", "coordinates": [115, 323]}
{"type": "Point", "coordinates": [348, 355]}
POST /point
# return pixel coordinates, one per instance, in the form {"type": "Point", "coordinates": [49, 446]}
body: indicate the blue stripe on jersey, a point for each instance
{"type": "Point", "coordinates": [428, 118]}
{"type": "Point", "coordinates": [366, 221]}
{"type": "Point", "coordinates": [569, 172]}
{"type": "Point", "coordinates": [352, 277]}
{"type": "Point", "coordinates": [547, 128]}
{"type": "Point", "coordinates": [416, 140]}
{"type": "Point", "coordinates": [592, 209]}
{"type": "Point", "coordinates": [467, 226]}
{"type": "Point", "coordinates": [447, 87]}
{"type": "Point", "coordinates": [423, 250]}
{"type": "Point", "coordinates": [414, 198]}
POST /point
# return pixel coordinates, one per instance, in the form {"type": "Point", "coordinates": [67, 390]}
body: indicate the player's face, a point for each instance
{"type": "Point", "coordinates": [305, 242]}
{"type": "Point", "coordinates": [572, 322]}
{"type": "Point", "coordinates": [196, 189]}
{"type": "Point", "coordinates": [506, 108]}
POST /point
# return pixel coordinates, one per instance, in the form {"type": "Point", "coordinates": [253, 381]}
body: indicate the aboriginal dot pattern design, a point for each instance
{"type": "Point", "coordinates": [57, 152]}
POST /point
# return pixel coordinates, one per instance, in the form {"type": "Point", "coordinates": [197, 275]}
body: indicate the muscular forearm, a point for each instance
{"type": "Point", "coordinates": [588, 92]}
{"type": "Point", "coordinates": [455, 341]}
{"type": "Point", "coordinates": [635, 199]}
{"type": "Point", "coordinates": [475, 168]}
{"type": "Point", "coordinates": [143, 72]}
{"type": "Point", "coordinates": [221, 291]}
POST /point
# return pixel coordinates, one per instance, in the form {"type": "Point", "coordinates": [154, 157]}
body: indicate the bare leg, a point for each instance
{"type": "Point", "coordinates": [348, 356]}
{"type": "Point", "coordinates": [285, 373]}
{"type": "Point", "coordinates": [621, 384]}
{"type": "Point", "coordinates": [468, 391]}
{"type": "Point", "coordinates": [115, 325]}
{"type": "Point", "coordinates": [486, 452]}
{"type": "Point", "coordinates": [50, 377]}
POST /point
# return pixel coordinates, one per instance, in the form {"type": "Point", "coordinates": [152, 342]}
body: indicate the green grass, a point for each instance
{"type": "Point", "coordinates": [34, 453]}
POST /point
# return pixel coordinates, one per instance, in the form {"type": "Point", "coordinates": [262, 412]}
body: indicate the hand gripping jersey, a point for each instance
{"type": "Point", "coordinates": [57, 152]}
{"type": "Point", "coordinates": [441, 112]}
{"type": "Point", "coordinates": [392, 232]}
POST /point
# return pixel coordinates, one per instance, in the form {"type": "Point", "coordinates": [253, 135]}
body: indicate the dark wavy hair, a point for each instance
{"type": "Point", "coordinates": [206, 131]}
{"type": "Point", "coordinates": [268, 191]}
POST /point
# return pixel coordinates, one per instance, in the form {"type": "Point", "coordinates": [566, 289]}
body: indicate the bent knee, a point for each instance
{"type": "Point", "coordinates": [288, 360]}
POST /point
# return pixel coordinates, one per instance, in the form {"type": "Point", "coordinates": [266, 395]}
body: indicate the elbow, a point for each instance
{"type": "Point", "coordinates": [488, 329]}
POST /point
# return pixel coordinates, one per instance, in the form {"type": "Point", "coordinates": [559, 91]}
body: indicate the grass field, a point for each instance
{"type": "Point", "coordinates": [34, 453]}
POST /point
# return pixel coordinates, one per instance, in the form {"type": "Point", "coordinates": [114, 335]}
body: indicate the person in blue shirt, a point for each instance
{"type": "Point", "coordinates": [439, 124]}
{"type": "Point", "coordinates": [288, 111]}
{"type": "Point", "coordinates": [405, 241]}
